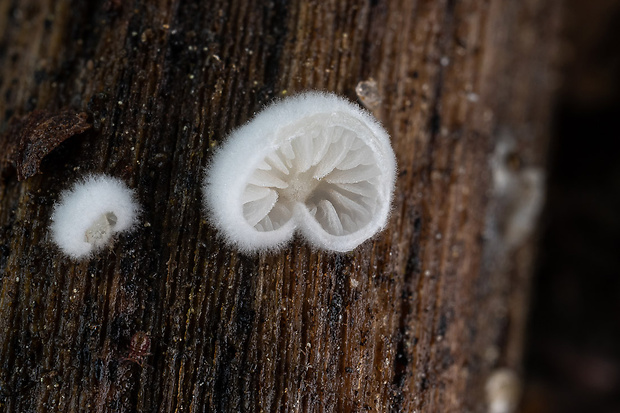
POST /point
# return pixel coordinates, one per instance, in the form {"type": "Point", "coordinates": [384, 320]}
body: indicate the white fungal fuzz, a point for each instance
{"type": "Point", "coordinates": [87, 216]}
{"type": "Point", "coordinates": [315, 163]}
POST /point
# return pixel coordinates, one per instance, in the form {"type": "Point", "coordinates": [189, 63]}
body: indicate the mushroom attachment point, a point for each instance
{"type": "Point", "coordinates": [313, 163]}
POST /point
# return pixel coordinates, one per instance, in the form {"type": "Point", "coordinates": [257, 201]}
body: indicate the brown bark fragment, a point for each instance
{"type": "Point", "coordinates": [30, 139]}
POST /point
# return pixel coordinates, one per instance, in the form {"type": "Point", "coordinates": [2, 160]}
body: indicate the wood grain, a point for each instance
{"type": "Point", "coordinates": [414, 320]}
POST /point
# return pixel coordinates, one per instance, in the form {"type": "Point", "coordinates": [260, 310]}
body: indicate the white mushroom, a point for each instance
{"type": "Point", "coordinates": [313, 163]}
{"type": "Point", "coordinates": [87, 216]}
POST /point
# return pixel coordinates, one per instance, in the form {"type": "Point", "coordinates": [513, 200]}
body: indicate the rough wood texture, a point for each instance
{"type": "Point", "coordinates": [412, 321]}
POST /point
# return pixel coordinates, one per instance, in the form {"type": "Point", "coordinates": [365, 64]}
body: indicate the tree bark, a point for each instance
{"type": "Point", "coordinates": [414, 320]}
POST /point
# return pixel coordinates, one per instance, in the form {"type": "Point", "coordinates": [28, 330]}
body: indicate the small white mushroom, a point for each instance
{"type": "Point", "coordinates": [87, 216]}
{"type": "Point", "coordinates": [503, 391]}
{"type": "Point", "coordinates": [520, 193]}
{"type": "Point", "coordinates": [313, 163]}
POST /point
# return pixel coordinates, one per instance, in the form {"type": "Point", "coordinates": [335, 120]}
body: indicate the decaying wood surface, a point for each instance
{"type": "Point", "coordinates": [414, 320]}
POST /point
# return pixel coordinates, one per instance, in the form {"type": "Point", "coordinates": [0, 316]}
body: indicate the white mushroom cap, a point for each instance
{"type": "Point", "coordinates": [87, 216]}
{"type": "Point", "coordinates": [314, 163]}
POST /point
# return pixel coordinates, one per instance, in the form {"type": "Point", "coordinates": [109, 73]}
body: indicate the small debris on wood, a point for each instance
{"type": "Point", "coordinates": [30, 139]}
{"type": "Point", "coordinates": [368, 93]}
{"type": "Point", "coordinates": [139, 348]}
{"type": "Point", "coordinates": [112, 5]}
